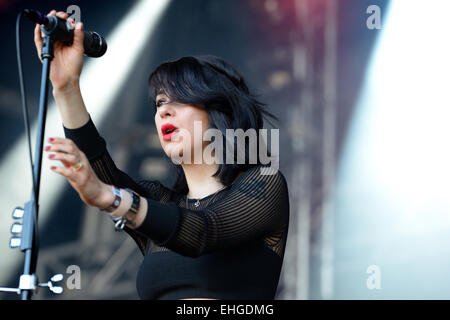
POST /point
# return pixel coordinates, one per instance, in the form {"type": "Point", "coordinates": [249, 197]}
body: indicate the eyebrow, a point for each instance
{"type": "Point", "coordinates": [159, 96]}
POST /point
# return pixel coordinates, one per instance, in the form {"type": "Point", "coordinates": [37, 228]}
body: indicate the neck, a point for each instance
{"type": "Point", "coordinates": [200, 181]}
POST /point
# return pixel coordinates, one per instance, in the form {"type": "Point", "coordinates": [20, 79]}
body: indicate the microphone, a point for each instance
{"type": "Point", "coordinates": [62, 30]}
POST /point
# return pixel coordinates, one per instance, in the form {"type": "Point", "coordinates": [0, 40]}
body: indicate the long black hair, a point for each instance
{"type": "Point", "coordinates": [212, 83]}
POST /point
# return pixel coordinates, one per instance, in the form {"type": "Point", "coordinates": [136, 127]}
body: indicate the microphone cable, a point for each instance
{"type": "Point", "coordinates": [27, 125]}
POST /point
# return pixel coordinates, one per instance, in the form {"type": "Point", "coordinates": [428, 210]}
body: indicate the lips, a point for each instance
{"type": "Point", "coordinates": [168, 130]}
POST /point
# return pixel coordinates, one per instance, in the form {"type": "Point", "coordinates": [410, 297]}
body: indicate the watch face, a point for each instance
{"type": "Point", "coordinates": [116, 203]}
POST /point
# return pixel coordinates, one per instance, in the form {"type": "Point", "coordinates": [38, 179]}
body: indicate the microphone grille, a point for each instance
{"type": "Point", "coordinates": [94, 44]}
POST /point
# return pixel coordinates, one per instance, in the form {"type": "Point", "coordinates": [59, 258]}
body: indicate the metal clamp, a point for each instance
{"type": "Point", "coordinates": [29, 282]}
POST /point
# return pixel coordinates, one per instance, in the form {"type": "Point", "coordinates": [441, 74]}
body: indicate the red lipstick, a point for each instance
{"type": "Point", "coordinates": [168, 130]}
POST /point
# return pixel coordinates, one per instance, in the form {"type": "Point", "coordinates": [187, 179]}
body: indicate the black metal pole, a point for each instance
{"type": "Point", "coordinates": [29, 244]}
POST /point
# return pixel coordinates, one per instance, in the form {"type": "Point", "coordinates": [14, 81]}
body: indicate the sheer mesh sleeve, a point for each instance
{"type": "Point", "coordinates": [256, 206]}
{"type": "Point", "coordinates": [93, 145]}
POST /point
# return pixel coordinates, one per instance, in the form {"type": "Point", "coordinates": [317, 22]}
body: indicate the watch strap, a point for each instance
{"type": "Point", "coordinates": [135, 202]}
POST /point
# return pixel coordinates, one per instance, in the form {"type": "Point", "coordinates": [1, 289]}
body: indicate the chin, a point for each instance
{"type": "Point", "coordinates": [173, 148]}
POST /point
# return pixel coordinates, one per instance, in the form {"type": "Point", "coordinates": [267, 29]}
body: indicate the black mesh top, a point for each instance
{"type": "Point", "coordinates": [230, 246]}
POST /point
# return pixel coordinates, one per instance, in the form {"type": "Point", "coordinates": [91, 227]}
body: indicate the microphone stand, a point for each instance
{"type": "Point", "coordinates": [29, 245]}
{"type": "Point", "coordinates": [28, 281]}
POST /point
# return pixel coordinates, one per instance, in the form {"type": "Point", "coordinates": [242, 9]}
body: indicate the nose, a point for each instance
{"type": "Point", "coordinates": [165, 110]}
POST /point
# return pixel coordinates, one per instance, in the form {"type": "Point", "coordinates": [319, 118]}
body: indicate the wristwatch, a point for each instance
{"type": "Point", "coordinates": [117, 199]}
{"type": "Point", "coordinates": [120, 222]}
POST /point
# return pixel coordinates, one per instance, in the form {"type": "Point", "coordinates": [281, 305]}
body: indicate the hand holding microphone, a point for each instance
{"type": "Point", "coordinates": [67, 63]}
{"type": "Point", "coordinates": [63, 30]}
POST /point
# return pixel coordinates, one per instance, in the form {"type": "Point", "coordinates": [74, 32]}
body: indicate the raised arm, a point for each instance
{"type": "Point", "coordinates": [65, 73]}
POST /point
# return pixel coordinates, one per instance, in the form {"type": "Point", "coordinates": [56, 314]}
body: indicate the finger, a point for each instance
{"type": "Point", "coordinates": [66, 164]}
{"type": "Point", "coordinates": [65, 172]}
{"type": "Point", "coordinates": [49, 14]}
{"type": "Point", "coordinates": [59, 140]}
{"type": "Point", "coordinates": [67, 159]}
{"type": "Point", "coordinates": [62, 15]}
{"type": "Point", "coordinates": [78, 37]}
{"type": "Point", "coordinates": [65, 146]}
{"type": "Point", "coordinates": [62, 148]}
{"type": "Point", "coordinates": [62, 141]}
{"type": "Point", "coordinates": [38, 35]}
{"type": "Point", "coordinates": [38, 40]}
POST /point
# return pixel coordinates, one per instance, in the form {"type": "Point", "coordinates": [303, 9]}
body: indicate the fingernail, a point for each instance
{"type": "Point", "coordinates": [51, 139]}
{"type": "Point", "coordinates": [53, 167]}
{"type": "Point", "coordinates": [51, 156]}
{"type": "Point", "coordinates": [47, 148]}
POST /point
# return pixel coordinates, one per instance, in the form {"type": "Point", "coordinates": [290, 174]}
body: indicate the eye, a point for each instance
{"type": "Point", "coordinates": [160, 102]}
